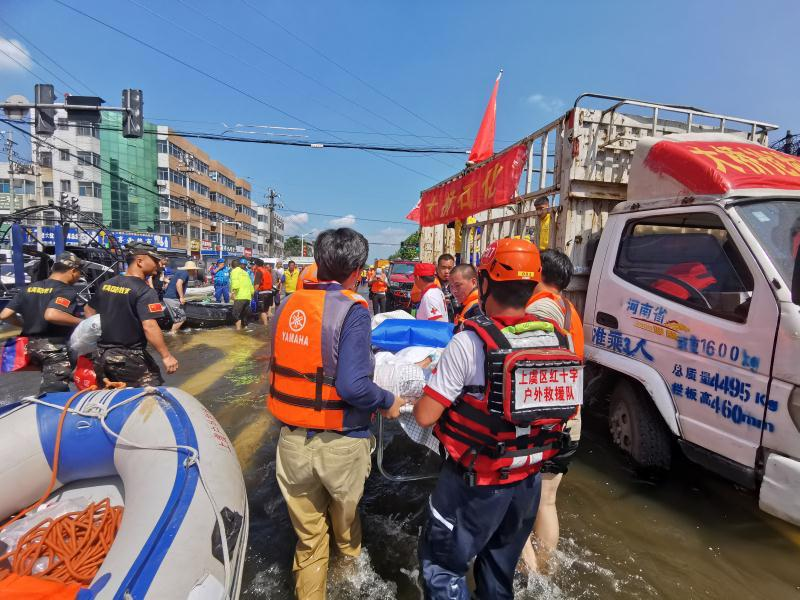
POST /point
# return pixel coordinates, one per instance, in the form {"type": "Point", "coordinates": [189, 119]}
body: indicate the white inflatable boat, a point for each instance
{"type": "Point", "coordinates": [159, 453]}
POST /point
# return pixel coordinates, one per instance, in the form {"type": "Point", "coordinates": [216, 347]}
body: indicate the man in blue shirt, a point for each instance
{"type": "Point", "coordinates": [175, 295]}
{"type": "Point", "coordinates": [221, 274]}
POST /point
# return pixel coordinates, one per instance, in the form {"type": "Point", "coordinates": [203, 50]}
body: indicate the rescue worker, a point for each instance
{"type": "Point", "coordinates": [549, 303]}
{"type": "Point", "coordinates": [48, 308]}
{"type": "Point", "coordinates": [464, 285]}
{"type": "Point", "coordinates": [325, 398]}
{"type": "Point", "coordinates": [242, 291]}
{"type": "Point", "coordinates": [308, 275]}
{"type": "Point", "coordinates": [221, 277]}
{"type": "Point", "coordinates": [485, 501]}
{"type": "Point", "coordinates": [432, 305]}
{"type": "Point", "coordinates": [378, 287]}
{"type": "Point", "coordinates": [175, 294]}
{"type": "Point", "coordinates": [445, 264]}
{"type": "Point", "coordinates": [290, 278]}
{"type": "Point", "coordinates": [129, 310]}
{"type": "Point", "coordinates": [263, 284]}
{"type": "Point", "coordinates": [542, 208]}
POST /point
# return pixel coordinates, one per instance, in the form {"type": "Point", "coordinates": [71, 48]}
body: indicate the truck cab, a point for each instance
{"type": "Point", "coordinates": [401, 281]}
{"type": "Point", "coordinates": [684, 229]}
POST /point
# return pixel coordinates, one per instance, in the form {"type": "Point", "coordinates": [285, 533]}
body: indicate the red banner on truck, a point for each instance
{"type": "Point", "coordinates": [489, 186]}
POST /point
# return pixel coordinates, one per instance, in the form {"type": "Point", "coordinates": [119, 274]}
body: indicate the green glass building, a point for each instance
{"type": "Point", "coordinates": [130, 192]}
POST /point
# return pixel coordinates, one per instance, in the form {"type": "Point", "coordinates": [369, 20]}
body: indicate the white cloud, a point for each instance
{"type": "Point", "coordinates": [295, 224]}
{"type": "Point", "coordinates": [547, 104]}
{"type": "Point", "coordinates": [13, 50]}
{"type": "Point", "coordinates": [392, 235]}
{"type": "Point", "coordinates": [345, 221]}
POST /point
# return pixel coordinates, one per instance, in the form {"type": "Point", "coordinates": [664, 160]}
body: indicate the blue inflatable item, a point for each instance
{"type": "Point", "coordinates": [395, 334]}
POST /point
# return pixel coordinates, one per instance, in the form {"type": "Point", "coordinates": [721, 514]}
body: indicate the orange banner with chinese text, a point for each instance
{"type": "Point", "coordinates": [718, 167]}
{"type": "Point", "coordinates": [489, 186]}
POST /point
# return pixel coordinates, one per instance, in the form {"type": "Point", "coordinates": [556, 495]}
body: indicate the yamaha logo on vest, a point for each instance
{"type": "Point", "coordinates": [297, 320]}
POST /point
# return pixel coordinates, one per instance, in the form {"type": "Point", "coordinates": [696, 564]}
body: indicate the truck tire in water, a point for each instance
{"type": "Point", "coordinates": [637, 428]}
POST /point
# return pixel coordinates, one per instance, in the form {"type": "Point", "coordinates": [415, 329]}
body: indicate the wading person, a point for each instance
{"type": "Point", "coordinates": [322, 392]}
{"type": "Point", "coordinates": [263, 284]}
{"type": "Point", "coordinates": [242, 291]}
{"type": "Point", "coordinates": [128, 310]}
{"type": "Point", "coordinates": [445, 264]}
{"type": "Point", "coordinates": [48, 308]}
{"type": "Point", "coordinates": [548, 302]}
{"type": "Point", "coordinates": [290, 278]}
{"type": "Point", "coordinates": [377, 288]}
{"type": "Point", "coordinates": [432, 306]}
{"type": "Point", "coordinates": [464, 286]}
{"type": "Point", "coordinates": [175, 294]}
{"type": "Point", "coordinates": [487, 494]}
{"type": "Point", "coordinates": [221, 276]}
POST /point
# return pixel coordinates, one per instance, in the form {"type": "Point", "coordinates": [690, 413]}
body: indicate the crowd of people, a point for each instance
{"type": "Point", "coordinates": [494, 501]}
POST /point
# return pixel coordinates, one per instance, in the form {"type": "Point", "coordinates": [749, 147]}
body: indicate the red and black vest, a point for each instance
{"type": "Point", "coordinates": [503, 431]}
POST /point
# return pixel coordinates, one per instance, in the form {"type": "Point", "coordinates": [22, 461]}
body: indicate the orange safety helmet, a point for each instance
{"type": "Point", "coordinates": [511, 260]}
{"type": "Point", "coordinates": [308, 275]}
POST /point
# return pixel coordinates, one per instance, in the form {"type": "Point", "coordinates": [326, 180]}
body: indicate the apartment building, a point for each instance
{"type": "Point", "coordinates": [266, 247]}
{"type": "Point", "coordinates": [204, 206]}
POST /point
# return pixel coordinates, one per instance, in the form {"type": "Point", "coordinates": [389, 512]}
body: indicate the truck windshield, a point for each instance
{"type": "Point", "coordinates": [776, 224]}
{"type": "Point", "coordinates": [402, 268]}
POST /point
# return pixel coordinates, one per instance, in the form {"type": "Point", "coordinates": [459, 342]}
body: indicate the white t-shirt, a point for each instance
{"type": "Point", "coordinates": [432, 306]}
{"type": "Point", "coordinates": [461, 365]}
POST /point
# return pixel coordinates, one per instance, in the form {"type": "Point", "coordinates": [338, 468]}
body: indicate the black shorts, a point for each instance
{"type": "Point", "coordinates": [264, 300]}
{"type": "Point", "coordinates": [241, 310]}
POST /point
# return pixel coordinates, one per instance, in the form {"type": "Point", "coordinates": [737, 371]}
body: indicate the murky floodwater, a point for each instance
{"type": "Point", "coordinates": [690, 535]}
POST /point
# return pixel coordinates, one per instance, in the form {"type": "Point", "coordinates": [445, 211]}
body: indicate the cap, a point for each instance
{"type": "Point", "coordinates": [220, 261]}
{"type": "Point", "coordinates": [141, 248]}
{"type": "Point", "coordinates": [71, 260]}
{"type": "Point", "coordinates": [424, 270]}
{"type": "Point", "coordinates": [190, 265]}
{"type": "Point", "coordinates": [242, 261]}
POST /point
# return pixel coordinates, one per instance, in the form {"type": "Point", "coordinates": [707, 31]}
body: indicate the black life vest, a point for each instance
{"type": "Point", "coordinates": [502, 432]}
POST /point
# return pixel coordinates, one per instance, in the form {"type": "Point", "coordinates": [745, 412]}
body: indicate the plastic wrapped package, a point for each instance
{"type": "Point", "coordinates": [85, 337]}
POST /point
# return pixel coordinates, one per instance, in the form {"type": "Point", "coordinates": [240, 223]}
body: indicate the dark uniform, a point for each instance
{"type": "Point", "coordinates": [123, 302]}
{"type": "Point", "coordinates": [48, 342]}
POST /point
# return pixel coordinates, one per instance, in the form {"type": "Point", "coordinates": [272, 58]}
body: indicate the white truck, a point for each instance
{"type": "Point", "coordinates": [684, 231]}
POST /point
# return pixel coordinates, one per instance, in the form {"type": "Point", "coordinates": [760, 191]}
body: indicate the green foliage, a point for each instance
{"type": "Point", "coordinates": [291, 246]}
{"type": "Point", "coordinates": [409, 248]}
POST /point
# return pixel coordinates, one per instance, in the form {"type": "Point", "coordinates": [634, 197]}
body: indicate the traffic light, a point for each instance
{"type": "Point", "coordinates": [88, 115]}
{"type": "Point", "coordinates": [45, 121]}
{"type": "Point", "coordinates": [133, 123]}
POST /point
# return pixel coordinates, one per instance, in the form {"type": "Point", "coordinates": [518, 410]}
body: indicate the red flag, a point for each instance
{"type": "Point", "coordinates": [483, 147]}
{"type": "Point", "coordinates": [414, 214]}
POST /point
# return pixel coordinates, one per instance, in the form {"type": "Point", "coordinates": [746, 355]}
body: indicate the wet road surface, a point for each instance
{"type": "Point", "coordinates": [689, 535]}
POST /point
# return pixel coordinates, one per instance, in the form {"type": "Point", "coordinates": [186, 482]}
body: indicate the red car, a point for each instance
{"type": "Point", "coordinates": [401, 280]}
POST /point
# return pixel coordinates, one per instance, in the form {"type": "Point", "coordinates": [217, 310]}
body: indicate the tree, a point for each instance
{"type": "Point", "coordinates": [291, 246]}
{"type": "Point", "coordinates": [409, 248]}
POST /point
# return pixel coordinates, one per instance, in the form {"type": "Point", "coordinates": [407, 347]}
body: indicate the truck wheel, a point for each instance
{"type": "Point", "coordinates": [637, 428]}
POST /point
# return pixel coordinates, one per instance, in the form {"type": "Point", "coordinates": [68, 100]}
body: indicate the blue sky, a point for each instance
{"type": "Point", "coordinates": [436, 59]}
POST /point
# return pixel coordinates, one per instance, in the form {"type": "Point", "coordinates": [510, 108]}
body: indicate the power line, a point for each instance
{"type": "Point", "coordinates": [39, 77]}
{"type": "Point", "coordinates": [316, 214]}
{"type": "Point", "coordinates": [50, 58]}
{"type": "Point", "coordinates": [41, 65]}
{"type": "Point", "coordinates": [345, 69]}
{"type": "Point", "coordinates": [217, 79]}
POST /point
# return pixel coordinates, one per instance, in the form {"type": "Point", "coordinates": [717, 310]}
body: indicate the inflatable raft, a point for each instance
{"type": "Point", "coordinates": [158, 453]}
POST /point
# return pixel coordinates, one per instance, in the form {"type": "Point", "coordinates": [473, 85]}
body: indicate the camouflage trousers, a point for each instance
{"type": "Point", "coordinates": [134, 367]}
{"type": "Point", "coordinates": [53, 358]}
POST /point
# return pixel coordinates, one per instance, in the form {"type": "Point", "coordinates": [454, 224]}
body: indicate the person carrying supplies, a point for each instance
{"type": "Point", "coordinates": [48, 318]}
{"type": "Point", "coordinates": [221, 274]}
{"type": "Point", "coordinates": [377, 290]}
{"type": "Point", "coordinates": [464, 286]}
{"type": "Point", "coordinates": [242, 291]}
{"type": "Point", "coordinates": [496, 431]}
{"type": "Point", "coordinates": [321, 391]}
{"type": "Point", "coordinates": [175, 294]}
{"type": "Point", "coordinates": [432, 305]}
{"type": "Point", "coordinates": [129, 310]}
{"type": "Point", "coordinates": [548, 302]}
{"type": "Point", "coordinates": [263, 284]}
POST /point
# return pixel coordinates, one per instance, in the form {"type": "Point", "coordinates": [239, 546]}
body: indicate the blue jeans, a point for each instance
{"type": "Point", "coordinates": [222, 291]}
{"type": "Point", "coordinates": [488, 523]}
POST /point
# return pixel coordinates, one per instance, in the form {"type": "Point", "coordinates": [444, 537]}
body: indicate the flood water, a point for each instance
{"type": "Point", "coordinates": [689, 535]}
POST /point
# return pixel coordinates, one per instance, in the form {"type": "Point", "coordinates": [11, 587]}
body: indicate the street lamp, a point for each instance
{"type": "Point", "coordinates": [302, 242]}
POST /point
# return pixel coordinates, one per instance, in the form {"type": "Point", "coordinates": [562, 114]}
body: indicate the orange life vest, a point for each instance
{"type": "Point", "coordinates": [266, 278]}
{"type": "Point", "coordinates": [471, 308]}
{"type": "Point", "coordinates": [28, 587]}
{"type": "Point", "coordinates": [304, 354]}
{"type": "Point", "coordinates": [308, 275]}
{"type": "Point", "coordinates": [378, 286]}
{"type": "Point", "coordinates": [572, 320]}
{"type": "Point", "coordinates": [480, 431]}
{"type": "Point", "coordinates": [695, 274]}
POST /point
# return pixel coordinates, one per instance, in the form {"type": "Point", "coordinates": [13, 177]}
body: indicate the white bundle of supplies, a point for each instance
{"type": "Point", "coordinates": [85, 336]}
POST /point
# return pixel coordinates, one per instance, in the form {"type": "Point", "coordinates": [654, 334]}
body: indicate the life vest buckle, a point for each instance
{"type": "Point", "coordinates": [500, 448]}
{"type": "Point", "coordinates": [470, 478]}
{"type": "Point", "coordinates": [505, 472]}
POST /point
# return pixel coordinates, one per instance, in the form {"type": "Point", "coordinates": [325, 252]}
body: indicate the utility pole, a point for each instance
{"type": "Point", "coordinates": [10, 155]}
{"type": "Point", "coordinates": [272, 195]}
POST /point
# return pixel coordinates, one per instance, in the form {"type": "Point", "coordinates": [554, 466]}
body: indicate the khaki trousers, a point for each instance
{"type": "Point", "coordinates": [322, 480]}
